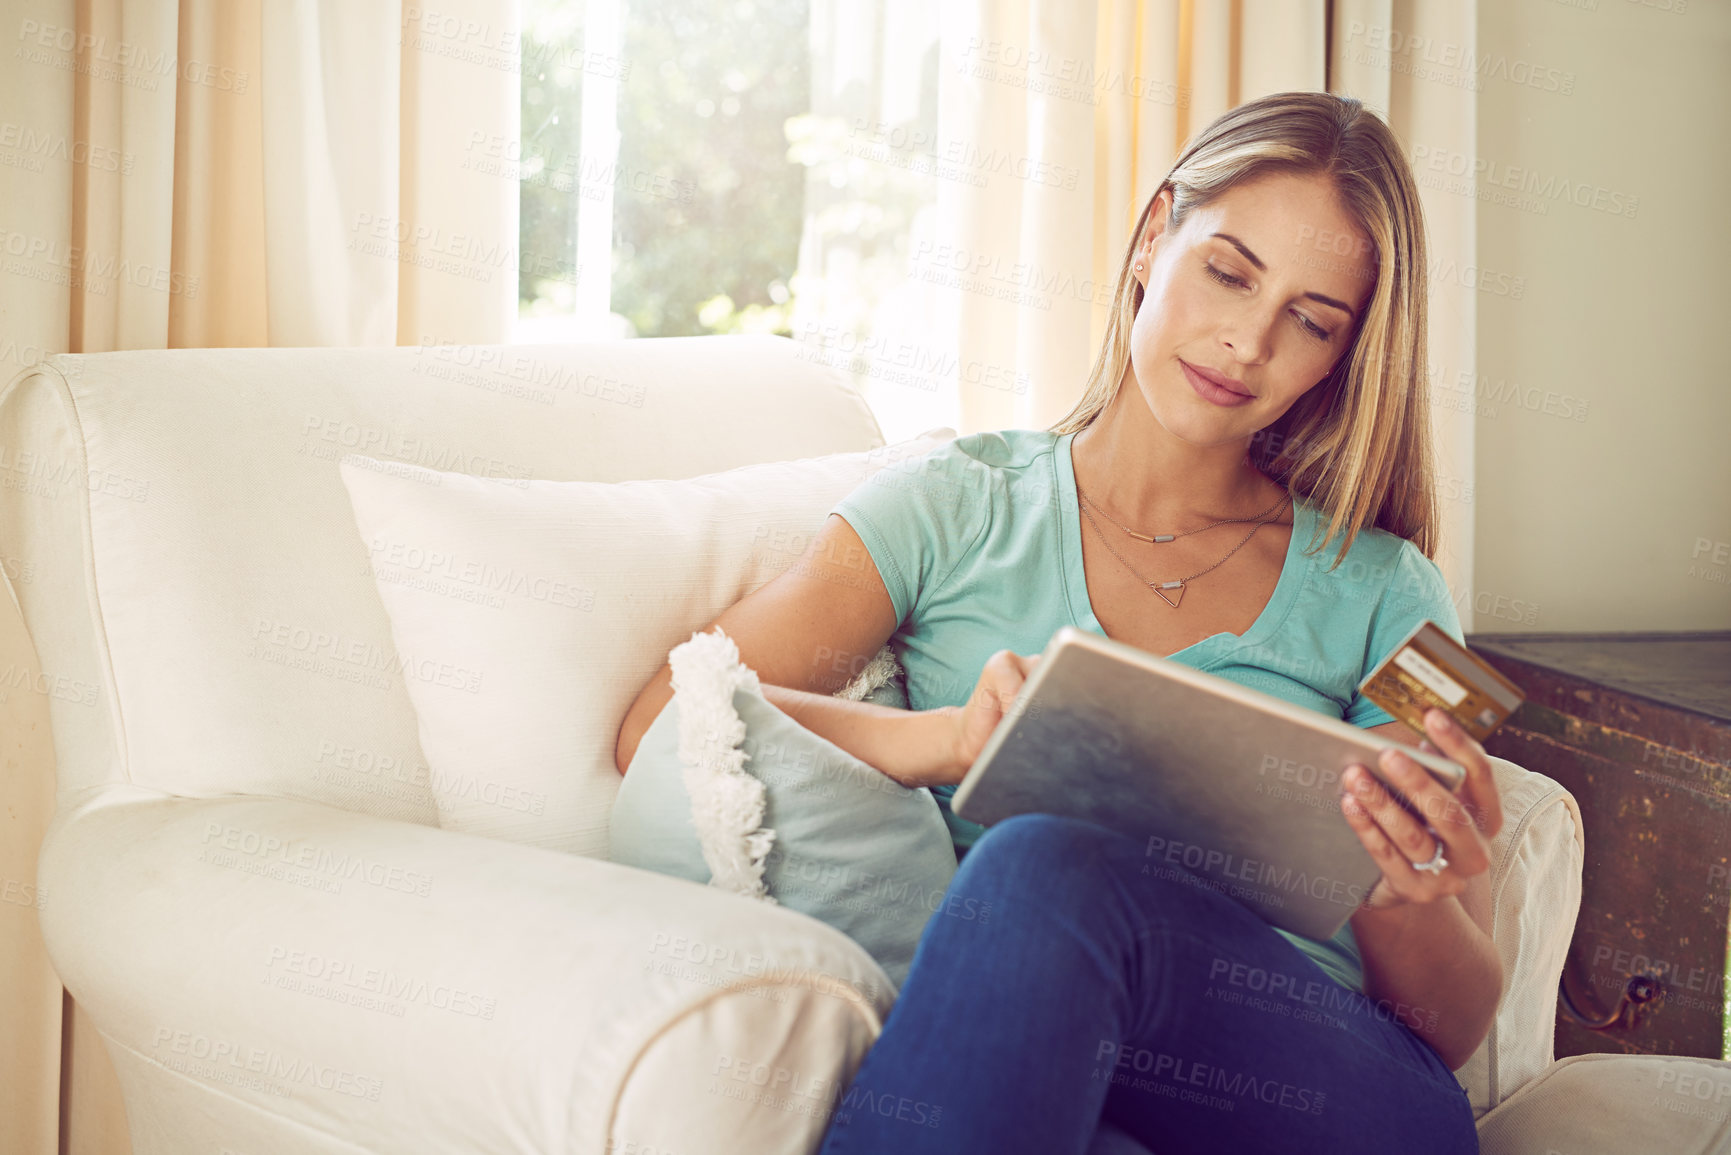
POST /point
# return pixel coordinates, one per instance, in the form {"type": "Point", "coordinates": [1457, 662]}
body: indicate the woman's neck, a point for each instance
{"type": "Point", "coordinates": [1136, 469]}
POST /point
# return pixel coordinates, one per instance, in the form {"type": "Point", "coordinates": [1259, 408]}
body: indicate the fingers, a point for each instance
{"type": "Point", "coordinates": [1000, 681]}
{"type": "Point", "coordinates": [1398, 875]}
{"type": "Point", "coordinates": [1407, 834]}
{"type": "Point", "coordinates": [1479, 792]}
{"type": "Point", "coordinates": [1011, 674]}
{"type": "Point", "coordinates": [1440, 811]}
{"type": "Point", "coordinates": [1007, 671]}
{"type": "Point", "coordinates": [1397, 840]}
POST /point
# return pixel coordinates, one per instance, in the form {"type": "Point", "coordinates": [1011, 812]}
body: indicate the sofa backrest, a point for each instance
{"type": "Point", "coordinates": [175, 532]}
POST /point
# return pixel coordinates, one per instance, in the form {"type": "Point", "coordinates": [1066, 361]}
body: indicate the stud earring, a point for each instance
{"type": "Point", "coordinates": [1138, 266]}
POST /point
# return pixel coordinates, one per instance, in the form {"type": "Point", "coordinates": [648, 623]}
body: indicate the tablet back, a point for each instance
{"type": "Point", "coordinates": [1236, 786]}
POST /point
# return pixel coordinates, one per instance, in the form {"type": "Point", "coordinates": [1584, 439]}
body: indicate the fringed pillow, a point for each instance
{"type": "Point", "coordinates": [726, 789]}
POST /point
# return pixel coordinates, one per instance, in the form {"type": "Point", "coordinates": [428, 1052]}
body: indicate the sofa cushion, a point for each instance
{"type": "Point", "coordinates": [535, 612]}
{"type": "Point", "coordinates": [726, 789]}
{"type": "Point", "coordinates": [1615, 1105]}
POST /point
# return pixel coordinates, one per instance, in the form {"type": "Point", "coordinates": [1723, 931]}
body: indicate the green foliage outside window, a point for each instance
{"type": "Point", "coordinates": [708, 207]}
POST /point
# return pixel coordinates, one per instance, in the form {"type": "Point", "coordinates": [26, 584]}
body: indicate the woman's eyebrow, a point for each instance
{"type": "Point", "coordinates": [1262, 268]}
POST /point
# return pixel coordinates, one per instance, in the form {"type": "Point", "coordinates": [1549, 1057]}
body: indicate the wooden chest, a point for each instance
{"type": "Point", "coordinates": [1637, 726]}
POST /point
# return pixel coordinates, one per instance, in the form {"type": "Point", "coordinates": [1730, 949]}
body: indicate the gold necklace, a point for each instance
{"type": "Point", "coordinates": [1160, 588]}
{"type": "Point", "coordinates": [1159, 537]}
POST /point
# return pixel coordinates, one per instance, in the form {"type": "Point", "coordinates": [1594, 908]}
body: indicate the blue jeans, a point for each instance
{"type": "Point", "coordinates": [1067, 981]}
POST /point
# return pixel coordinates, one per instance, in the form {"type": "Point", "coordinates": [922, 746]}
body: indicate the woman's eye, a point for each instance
{"type": "Point", "coordinates": [1223, 278]}
{"type": "Point", "coordinates": [1311, 328]}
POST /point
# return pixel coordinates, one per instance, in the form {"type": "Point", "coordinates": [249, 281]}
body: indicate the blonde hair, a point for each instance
{"type": "Point", "coordinates": [1358, 442]}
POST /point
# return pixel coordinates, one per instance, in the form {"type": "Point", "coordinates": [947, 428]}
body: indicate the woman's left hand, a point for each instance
{"type": "Point", "coordinates": [1460, 824]}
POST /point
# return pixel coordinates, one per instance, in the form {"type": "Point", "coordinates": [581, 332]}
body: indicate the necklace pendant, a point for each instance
{"type": "Point", "coordinates": [1145, 537]}
{"type": "Point", "coordinates": [1163, 587]}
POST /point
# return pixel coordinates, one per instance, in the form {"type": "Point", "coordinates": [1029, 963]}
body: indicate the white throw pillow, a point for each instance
{"type": "Point", "coordinates": [539, 609]}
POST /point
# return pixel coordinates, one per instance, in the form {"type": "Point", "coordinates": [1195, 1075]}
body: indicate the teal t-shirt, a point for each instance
{"type": "Point", "coordinates": [979, 544]}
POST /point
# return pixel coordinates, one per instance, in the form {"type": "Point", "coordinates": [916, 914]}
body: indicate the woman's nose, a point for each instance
{"type": "Point", "coordinates": [1248, 338]}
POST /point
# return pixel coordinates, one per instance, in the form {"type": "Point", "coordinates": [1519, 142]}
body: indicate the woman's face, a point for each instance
{"type": "Point", "coordinates": [1260, 291]}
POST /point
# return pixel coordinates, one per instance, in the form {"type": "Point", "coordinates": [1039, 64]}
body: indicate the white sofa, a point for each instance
{"type": "Point", "coordinates": [233, 737]}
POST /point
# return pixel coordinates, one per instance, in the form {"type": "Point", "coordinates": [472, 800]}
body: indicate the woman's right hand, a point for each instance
{"type": "Point", "coordinates": [1000, 681]}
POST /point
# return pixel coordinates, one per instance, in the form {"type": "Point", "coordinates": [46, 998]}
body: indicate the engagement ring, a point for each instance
{"type": "Point", "coordinates": [1437, 863]}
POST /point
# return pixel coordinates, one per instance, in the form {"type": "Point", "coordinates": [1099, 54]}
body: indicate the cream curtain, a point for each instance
{"type": "Point", "coordinates": [219, 173]}
{"type": "Point", "coordinates": [255, 172]}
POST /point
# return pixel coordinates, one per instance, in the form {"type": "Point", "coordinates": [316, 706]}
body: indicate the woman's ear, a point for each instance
{"type": "Point", "coordinates": [1158, 216]}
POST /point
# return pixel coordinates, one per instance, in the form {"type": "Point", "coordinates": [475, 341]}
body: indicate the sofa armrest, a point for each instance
{"type": "Point", "coordinates": [1536, 862]}
{"type": "Point", "coordinates": [276, 975]}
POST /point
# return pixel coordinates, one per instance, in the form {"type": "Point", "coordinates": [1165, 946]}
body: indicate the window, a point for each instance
{"type": "Point", "coordinates": [722, 166]}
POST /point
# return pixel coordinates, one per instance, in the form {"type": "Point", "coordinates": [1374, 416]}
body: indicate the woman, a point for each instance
{"type": "Point", "coordinates": [1262, 372]}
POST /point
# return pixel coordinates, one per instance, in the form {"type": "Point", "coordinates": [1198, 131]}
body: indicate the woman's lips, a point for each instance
{"type": "Point", "coordinates": [1208, 390]}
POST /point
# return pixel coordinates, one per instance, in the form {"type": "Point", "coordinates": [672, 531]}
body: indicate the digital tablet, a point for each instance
{"type": "Point", "coordinates": [1237, 787]}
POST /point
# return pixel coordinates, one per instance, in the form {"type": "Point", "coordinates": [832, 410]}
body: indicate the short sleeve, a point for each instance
{"type": "Point", "coordinates": [919, 518]}
{"type": "Point", "coordinates": [1416, 591]}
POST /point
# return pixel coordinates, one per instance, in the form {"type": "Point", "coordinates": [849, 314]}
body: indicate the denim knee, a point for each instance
{"type": "Point", "coordinates": [1039, 835]}
{"type": "Point", "coordinates": [1050, 851]}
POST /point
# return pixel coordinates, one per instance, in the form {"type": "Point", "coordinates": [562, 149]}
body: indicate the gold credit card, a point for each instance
{"type": "Point", "coordinates": [1430, 669]}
